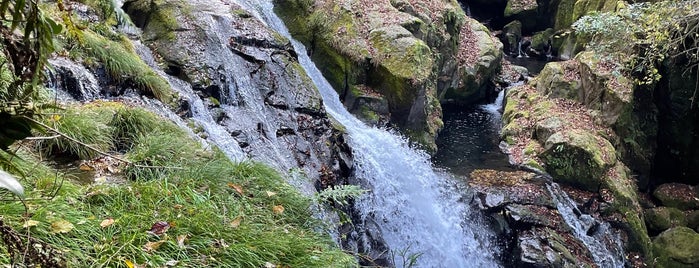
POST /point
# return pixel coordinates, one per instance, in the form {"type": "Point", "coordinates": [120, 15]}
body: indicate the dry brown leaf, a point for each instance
{"type": "Point", "coordinates": [159, 227]}
{"type": "Point", "coordinates": [61, 226]}
{"type": "Point", "coordinates": [85, 167]}
{"type": "Point", "coordinates": [152, 246]}
{"type": "Point", "coordinates": [237, 187]}
{"type": "Point", "coordinates": [107, 222]}
{"type": "Point", "coordinates": [236, 222]}
{"type": "Point", "coordinates": [278, 209]}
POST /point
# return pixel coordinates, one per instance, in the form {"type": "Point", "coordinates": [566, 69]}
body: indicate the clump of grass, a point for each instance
{"type": "Point", "coordinates": [220, 213]}
{"type": "Point", "coordinates": [89, 126]}
{"type": "Point", "coordinates": [130, 123]}
{"type": "Point", "coordinates": [124, 65]}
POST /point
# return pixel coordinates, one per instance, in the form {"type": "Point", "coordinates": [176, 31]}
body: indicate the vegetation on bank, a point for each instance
{"type": "Point", "coordinates": [648, 32]}
{"type": "Point", "coordinates": [176, 204]}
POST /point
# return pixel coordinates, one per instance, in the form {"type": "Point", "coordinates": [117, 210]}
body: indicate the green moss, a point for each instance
{"type": "Point", "coordinates": [578, 158]}
{"type": "Point", "coordinates": [677, 247]}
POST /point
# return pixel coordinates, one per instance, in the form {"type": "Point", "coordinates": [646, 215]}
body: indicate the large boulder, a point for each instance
{"type": "Point", "coordinates": [559, 80]}
{"type": "Point", "coordinates": [578, 158]}
{"type": "Point", "coordinates": [677, 195]}
{"type": "Point", "coordinates": [523, 10]}
{"type": "Point", "coordinates": [479, 60]}
{"type": "Point", "coordinates": [677, 247]}
{"type": "Point", "coordinates": [662, 218]}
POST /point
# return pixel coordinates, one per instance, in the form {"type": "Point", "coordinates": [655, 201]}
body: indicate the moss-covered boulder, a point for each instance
{"type": "Point", "coordinates": [559, 80]}
{"type": "Point", "coordinates": [677, 247]}
{"type": "Point", "coordinates": [512, 34]}
{"type": "Point", "coordinates": [662, 218]}
{"type": "Point", "coordinates": [677, 195]}
{"type": "Point", "coordinates": [541, 44]}
{"type": "Point", "coordinates": [479, 60]}
{"type": "Point", "coordinates": [523, 10]}
{"type": "Point", "coordinates": [578, 158]}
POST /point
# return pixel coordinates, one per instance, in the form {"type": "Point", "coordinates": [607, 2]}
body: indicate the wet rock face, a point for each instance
{"type": "Point", "coordinates": [532, 230]}
{"type": "Point", "coordinates": [249, 76]}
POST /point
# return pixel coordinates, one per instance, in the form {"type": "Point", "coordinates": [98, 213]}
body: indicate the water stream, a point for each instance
{"type": "Point", "coordinates": [408, 198]}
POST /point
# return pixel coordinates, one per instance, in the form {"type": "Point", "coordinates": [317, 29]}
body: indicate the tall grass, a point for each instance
{"type": "Point", "coordinates": [222, 214]}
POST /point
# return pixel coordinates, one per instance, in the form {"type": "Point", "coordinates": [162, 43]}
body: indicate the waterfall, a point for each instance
{"type": "Point", "coordinates": [519, 49]}
{"type": "Point", "coordinates": [412, 204]}
{"type": "Point", "coordinates": [604, 245]}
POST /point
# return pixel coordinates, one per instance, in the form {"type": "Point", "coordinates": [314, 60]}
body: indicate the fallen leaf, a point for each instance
{"type": "Point", "coordinates": [237, 187]}
{"type": "Point", "coordinates": [152, 246]}
{"type": "Point", "coordinates": [171, 263]}
{"type": "Point", "coordinates": [270, 194]}
{"type": "Point", "coordinates": [178, 206]}
{"type": "Point", "coordinates": [107, 222]}
{"type": "Point", "coordinates": [159, 228]}
{"type": "Point", "coordinates": [30, 223]}
{"type": "Point", "coordinates": [61, 226]}
{"type": "Point", "coordinates": [180, 240]}
{"type": "Point", "coordinates": [85, 167]}
{"type": "Point", "coordinates": [129, 263]}
{"type": "Point", "coordinates": [270, 265]}
{"type": "Point", "coordinates": [278, 209]}
{"type": "Point", "coordinates": [236, 222]}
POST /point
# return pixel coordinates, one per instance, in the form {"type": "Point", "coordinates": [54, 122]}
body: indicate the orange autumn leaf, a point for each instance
{"type": "Point", "coordinates": [237, 187]}
{"type": "Point", "coordinates": [278, 209]}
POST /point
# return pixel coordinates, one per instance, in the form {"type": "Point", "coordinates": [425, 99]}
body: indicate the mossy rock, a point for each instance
{"type": "Point", "coordinates": [523, 10]}
{"type": "Point", "coordinates": [552, 81]}
{"type": "Point", "coordinates": [677, 195]}
{"type": "Point", "coordinates": [513, 34]}
{"type": "Point", "coordinates": [475, 78]}
{"type": "Point", "coordinates": [662, 218]}
{"type": "Point", "coordinates": [540, 40]}
{"type": "Point", "coordinates": [677, 247]}
{"type": "Point", "coordinates": [693, 219]}
{"type": "Point", "coordinates": [578, 158]}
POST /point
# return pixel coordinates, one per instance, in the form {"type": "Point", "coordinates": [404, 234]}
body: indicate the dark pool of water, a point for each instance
{"type": "Point", "coordinates": [470, 140]}
{"type": "Point", "coordinates": [534, 65]}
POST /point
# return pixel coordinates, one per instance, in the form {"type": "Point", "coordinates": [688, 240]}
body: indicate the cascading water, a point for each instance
{"type": "Point", "coordinates": [604, 245]}
{"type": "Point", "coordinates": [408, 199]}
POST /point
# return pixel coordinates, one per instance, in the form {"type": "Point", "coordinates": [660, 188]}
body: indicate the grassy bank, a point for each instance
{"type": "Point", "coordinates": [176, 204]}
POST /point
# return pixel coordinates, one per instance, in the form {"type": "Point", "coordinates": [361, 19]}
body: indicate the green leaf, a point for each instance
{"type": "Point", "coordinates": [55, 27]}
{"type": "Point", "coordinates": [9, 182]}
